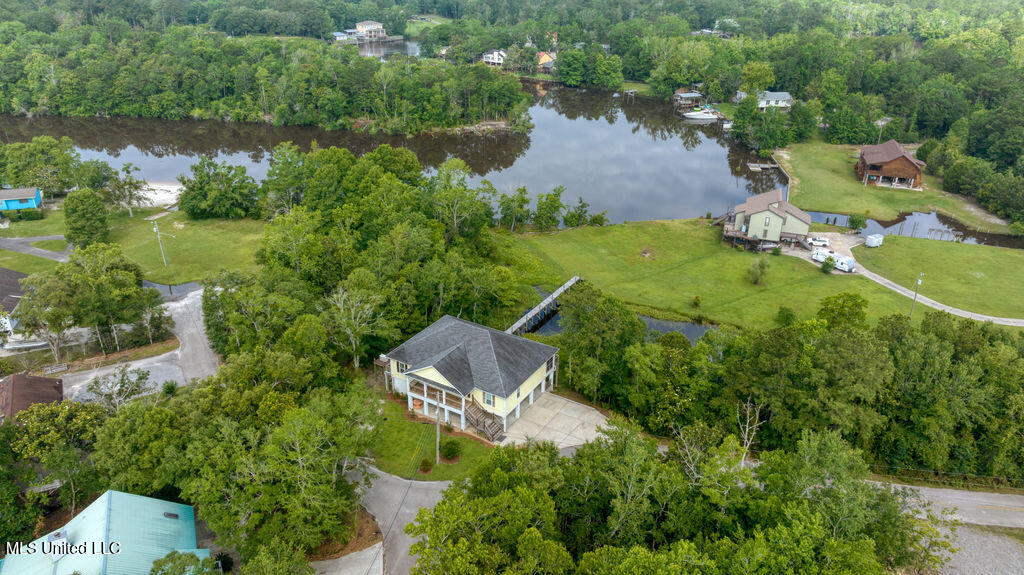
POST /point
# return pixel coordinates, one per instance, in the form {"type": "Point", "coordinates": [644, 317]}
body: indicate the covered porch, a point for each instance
{"type": "Point", "coordinates": [431, 399]}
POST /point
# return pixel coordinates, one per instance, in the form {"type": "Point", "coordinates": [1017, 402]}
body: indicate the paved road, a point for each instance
{"type": "Point", "coordinates": [978, 507]}
{"type": "Point", "coordinates": [844, 243]}
{"type": "Point", "coordinates": [394, 502]}
{"type": "Point", "coordinates": [24, 245]}
{"type": "Point", "coordinates": [193, 359]}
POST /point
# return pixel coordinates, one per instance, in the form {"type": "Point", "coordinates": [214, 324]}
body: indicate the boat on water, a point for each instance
{"type": "Point", "coordinates": [701, 114]}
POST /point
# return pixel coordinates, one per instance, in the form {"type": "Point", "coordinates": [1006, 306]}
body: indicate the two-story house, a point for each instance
{"type": "Point", "coordinates": [470, 374]}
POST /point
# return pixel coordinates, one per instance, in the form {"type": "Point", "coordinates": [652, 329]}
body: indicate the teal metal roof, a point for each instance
{"type": "Point", "coordinates": [145, 528]}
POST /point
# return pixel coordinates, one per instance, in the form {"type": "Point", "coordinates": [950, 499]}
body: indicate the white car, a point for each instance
{"type": "Point", "coordinates": [819, 242]}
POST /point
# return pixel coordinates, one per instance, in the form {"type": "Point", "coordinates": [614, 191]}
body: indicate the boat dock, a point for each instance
{"type": "Point", "coordinates": [541, 311]}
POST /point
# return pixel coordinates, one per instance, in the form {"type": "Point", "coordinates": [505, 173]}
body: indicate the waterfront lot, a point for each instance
{"type": "Point", "coordinates": [661, 265]}
{"type": "Point", "coordinates": [824, 181]}
{"type": "Point", "coordinates": [981, 279]}
{"type": "Point", "coordinates": [195, 248]}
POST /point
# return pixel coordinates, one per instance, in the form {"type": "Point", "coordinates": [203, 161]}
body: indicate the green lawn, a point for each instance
{"type": "Point", "coordinates": [24, 263]}
{"type": "Point", "coordinates": [727, 108]}
{"type": "Point", "coordinates": [414, 28]}
{"type": "Point", "coordinates": [642, 88]}
{"type": "Point", "coordinates": [686, 258]}
{"type": "Point", "coordinates": [981, 279]}
{"type": "Point", "coordinates": [195, 248]}
{"type": "Point", "coordinates": [401, 444]}
{"type": "Point", "coordinates": [52, 224]}
{"type": "Point", "coordinates": [52, 245]}
{"type": "Point", "coordinates": [824, 181]}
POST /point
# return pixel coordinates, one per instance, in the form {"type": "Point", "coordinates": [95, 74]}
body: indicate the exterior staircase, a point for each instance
{"type": "Point", "coordinates": [483, 420]}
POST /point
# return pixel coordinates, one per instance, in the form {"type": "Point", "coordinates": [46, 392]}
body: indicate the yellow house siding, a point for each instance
{"type": "Point", "coordinates": [433, 375]}
{"type": "Point", "coordinates": [503, 406]}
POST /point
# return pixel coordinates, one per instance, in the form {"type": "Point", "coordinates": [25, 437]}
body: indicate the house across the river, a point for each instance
{"type": "Point", "coordinates": [473, 375]}
{"type": "Point", "coordinates": [765, 100]}
{"type": "Point", "coordinates": [889, 164]}
{"type": "Point", "coordinates": [495, 58]}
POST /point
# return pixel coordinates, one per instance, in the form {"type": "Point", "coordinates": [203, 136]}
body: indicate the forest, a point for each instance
{"type": "Point", "coordinates": [943, 399]}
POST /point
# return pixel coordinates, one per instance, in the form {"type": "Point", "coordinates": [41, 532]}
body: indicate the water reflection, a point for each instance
{"type": "Point", "coordinates": [631, 158]}
{"type": "Point", "coordinates": [930, 225]}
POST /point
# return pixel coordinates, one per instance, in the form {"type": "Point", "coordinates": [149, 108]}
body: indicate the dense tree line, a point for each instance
{"type": "Point", "coordinates": [361, 253]}
{"type": "Point", "coordinates": [617, 506]}
{"type": "Point", "coordinates": [315, 18]}
{"type": "Point", "coordinates": [193, 72]}
{"type": "Point", "coordinates": [944, 396]}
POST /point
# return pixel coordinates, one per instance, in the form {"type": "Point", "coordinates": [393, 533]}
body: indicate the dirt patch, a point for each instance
{"type": "Point", "coordinates": [365, 533]}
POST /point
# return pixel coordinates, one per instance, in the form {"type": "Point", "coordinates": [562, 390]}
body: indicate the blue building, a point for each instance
{"type": "Point", "coordinates": [20, 199]}
{"type": "Point", "coordinates": [119, 534]}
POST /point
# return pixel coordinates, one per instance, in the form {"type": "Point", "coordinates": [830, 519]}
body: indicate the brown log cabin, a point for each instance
{"type": "Point", "coordinates": [889, 164]}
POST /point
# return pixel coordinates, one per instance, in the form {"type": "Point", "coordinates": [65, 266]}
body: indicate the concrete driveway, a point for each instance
{"type": "Point", "coordinates": [193, 359]}
{"type": "Point", "coordinates": [394, 503]}
{"type": "Point", "coordinates": [553, 418]}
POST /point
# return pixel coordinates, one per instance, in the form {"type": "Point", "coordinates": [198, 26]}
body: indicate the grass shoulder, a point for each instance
{"type": "Point", "coordinates": [659, 266]}
{"type": "Point", "coordinates": [642, 89]}
{"type": "Point", "coordinates": [50, 245]}
{"type": "Point", "coordinates": [976, 278]}
{"type": "Point", "coordinates": [823, 180]}
{"type": "Point", "coordinates": [401, 444]}
{"type": "Point", "coordinates": [25, 263]}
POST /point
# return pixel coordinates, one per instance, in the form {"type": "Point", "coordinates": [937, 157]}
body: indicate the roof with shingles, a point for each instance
{"type": "Point", "coordinates": [772, 201]}
{"type": "Point", "coordinates": [470, 356]}
{"type": "Point", "coordinates": [887, 152]}
{"type": "Point", "coordinates": [18, 391]}
{"type": "Point", "coordinates": [18, 194]}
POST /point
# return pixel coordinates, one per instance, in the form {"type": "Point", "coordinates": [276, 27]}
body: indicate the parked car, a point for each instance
{"type": "Point", "coordinates": [843, 263]}
{"type": "Point", "coordinates": [819, 242]}
{"type": "Point", "coordinates": [767, 246]}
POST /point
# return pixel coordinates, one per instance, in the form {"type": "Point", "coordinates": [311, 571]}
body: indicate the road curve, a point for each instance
{"type": "Point", "coordinates": [934, 304]}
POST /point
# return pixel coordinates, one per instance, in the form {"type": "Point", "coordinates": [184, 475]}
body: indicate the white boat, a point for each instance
{"type": "Point", "coordinates": [701, 114]}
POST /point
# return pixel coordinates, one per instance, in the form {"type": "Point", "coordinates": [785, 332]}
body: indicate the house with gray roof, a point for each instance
{"type": "Point", "coordinates": [767, 217]}
{"type": "Point", "coordinates": [470, 375]}
{"type": "Point", "coordinates": [765, 100]}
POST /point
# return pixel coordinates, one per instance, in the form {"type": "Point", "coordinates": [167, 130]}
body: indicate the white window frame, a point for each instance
{"type": "Point", "coordinates": [767, 221]}
{"type": "Point", "coordinates": [489, 399]}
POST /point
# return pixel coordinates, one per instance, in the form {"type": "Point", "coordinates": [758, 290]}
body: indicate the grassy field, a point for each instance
{"type": "Point", "coordinates": [414, 28]}
{"type": "Point", "coordinates": [642, 89]}
{"type": "Point", "coordinates": [824, 181]}
{"type": "Point", "coordinates": [401, 444]}
{"type": "Point", "coordinates": [195, 248]}
{"type": "Point", "coordinates": [981, 279]}
{"type": "Point", "coordinates": [24, 263]}
{"type": "Point", "coordinates": [52, 245]}
{"type": "Point", "coordinates": [685, 258]}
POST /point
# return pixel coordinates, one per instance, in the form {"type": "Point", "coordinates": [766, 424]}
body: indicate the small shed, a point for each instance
{"type": "Point", "coordinates": [20, 199]}
{"type": "Point", "coordinates": [687, 98]}
{"type": "Point", "coordinates": [874, 240]}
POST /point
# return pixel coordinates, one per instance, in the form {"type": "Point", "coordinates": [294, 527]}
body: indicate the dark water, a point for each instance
{"type": "Point", "coordinates": [633, 159]}
{"type": "Point", "coordinates": [692, 331]}
{"type": "Point", "coordinates": [931, 225]}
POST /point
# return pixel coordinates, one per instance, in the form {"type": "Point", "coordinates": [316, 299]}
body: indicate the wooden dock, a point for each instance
{"type": "Point", "coordinates": [542, 310]}
{"type": "Point", "coordinates": [754, 167]}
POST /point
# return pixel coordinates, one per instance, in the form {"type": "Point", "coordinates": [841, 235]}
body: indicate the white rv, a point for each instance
{"type": "Point", "coordinates": [843, 263]}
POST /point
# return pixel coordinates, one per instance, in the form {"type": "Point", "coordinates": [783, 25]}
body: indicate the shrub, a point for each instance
{"type": "Point", "coordinates": [450, 449]}
{"type": "Point", "coordinates": [785, 316]}
{"type": "Point", "coordinates": [777, 251]}
{"type": "Point", "coordinates": [856, 221]}
{"type": "Point", "coordinates": [757, 271]}
{"type": "Point", "coordinates": [696, 301]}
{"type": "Point", "coordinates": [426, 465]}
{"type": "Point", "coordinates": [1017, 228]}
{"type": "Point", "coordinates": [828, 265]}
{"type": "Point", "coordinates": [26, 215]}
{"type": "Point", "coordinates": [170, 388]}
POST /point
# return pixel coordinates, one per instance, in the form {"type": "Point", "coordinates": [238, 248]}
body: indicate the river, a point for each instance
{"type": "Point", "coordinates": [633, 159]}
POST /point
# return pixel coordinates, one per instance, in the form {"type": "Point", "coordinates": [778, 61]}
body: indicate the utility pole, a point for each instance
{"type": "Point", "coordinates": [916, 287]}
{"type": "Point", "coordinates": [156, 229]}
{"type": "Point", "coordinates": [437, 436]}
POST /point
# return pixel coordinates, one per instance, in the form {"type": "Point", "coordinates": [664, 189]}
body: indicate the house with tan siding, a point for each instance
{"type": "Point", "coordinates": [470, 375]}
